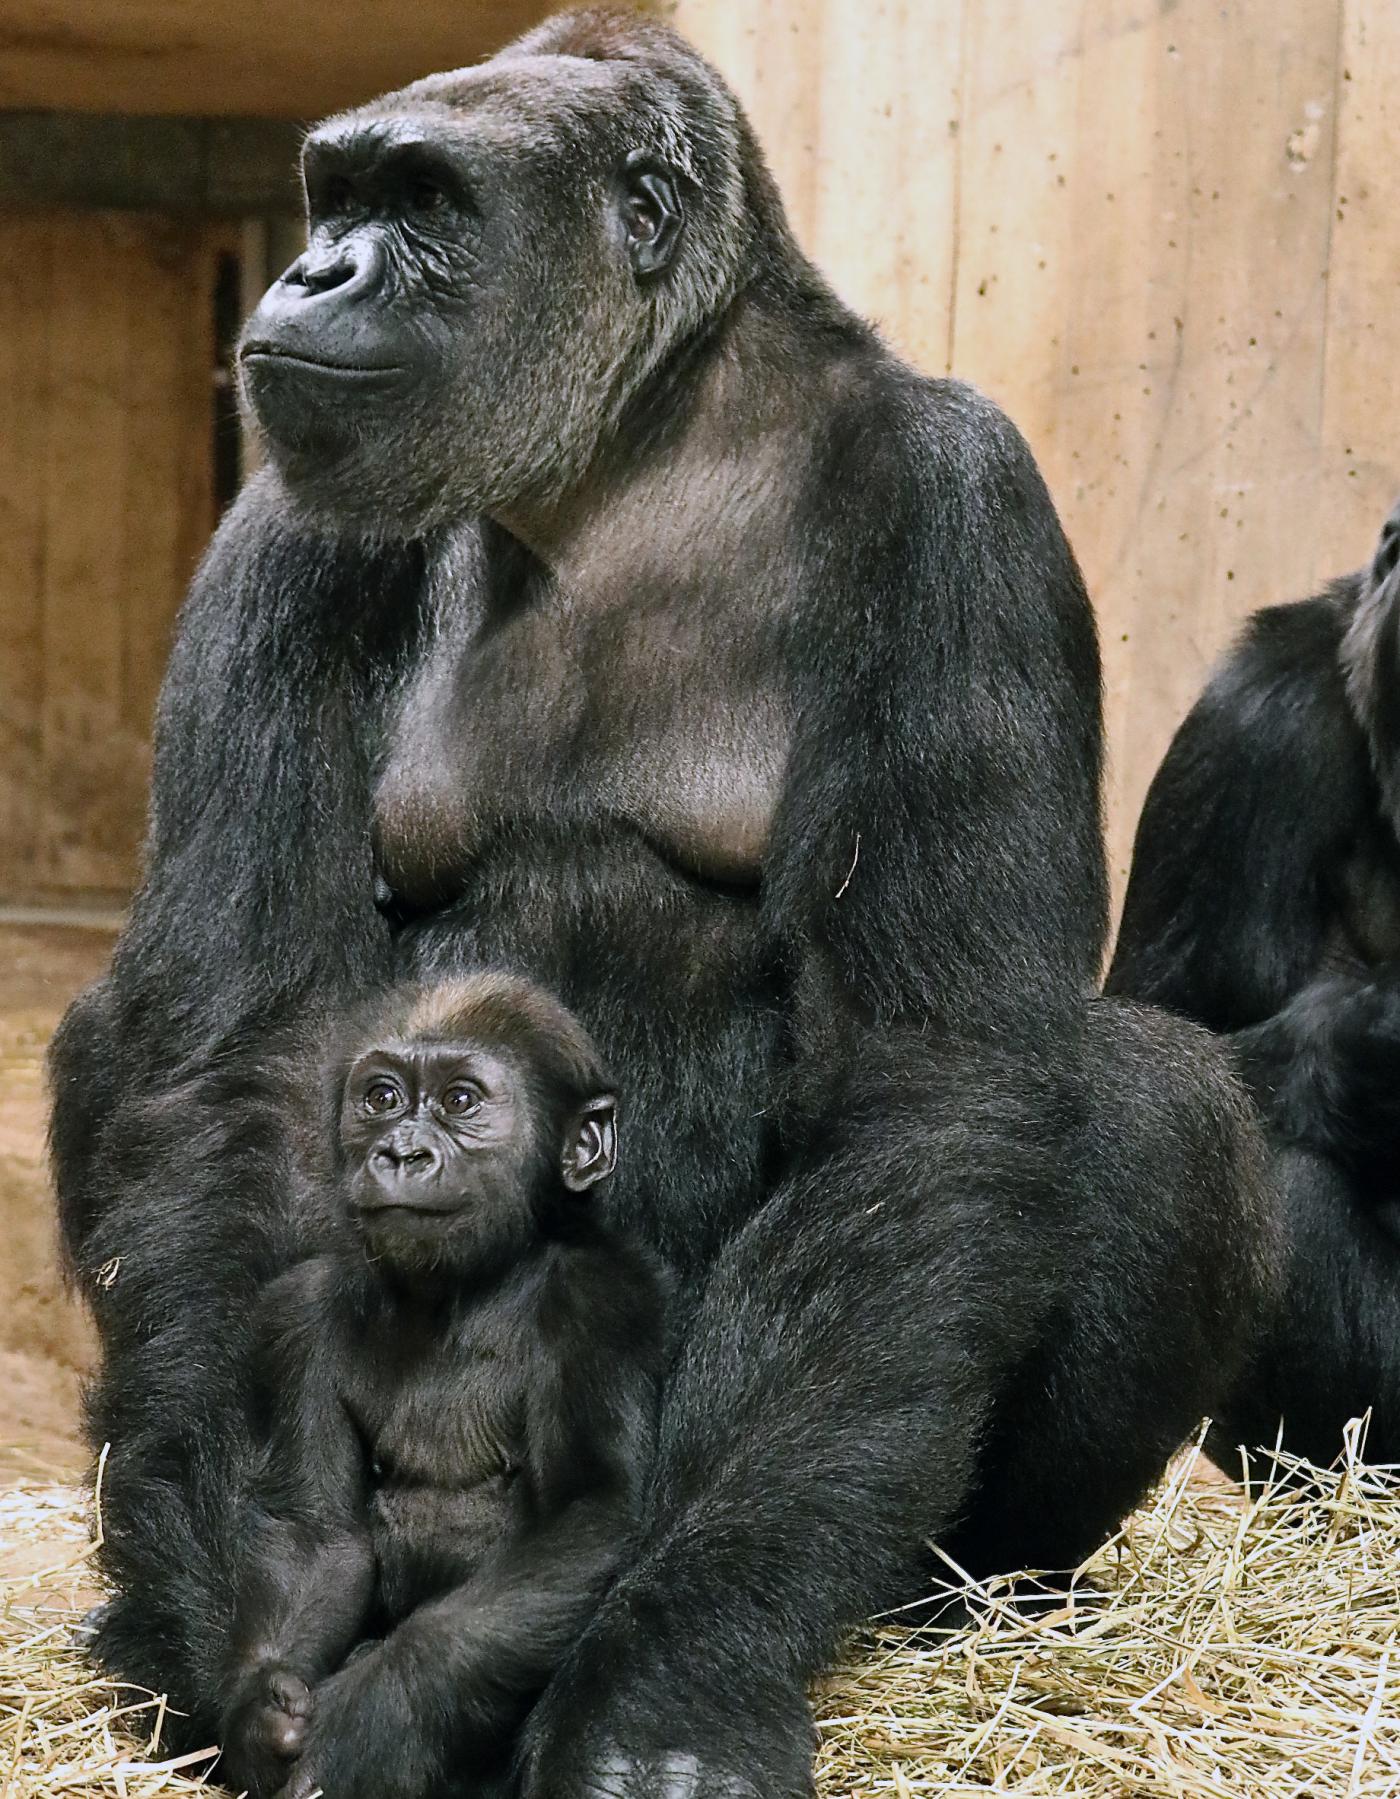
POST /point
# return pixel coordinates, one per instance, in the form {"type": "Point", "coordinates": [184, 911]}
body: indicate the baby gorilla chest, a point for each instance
{"type": "Point", "coordinates": [674, 728]}
{"type": "Point", "coordinates": [445, 1484]}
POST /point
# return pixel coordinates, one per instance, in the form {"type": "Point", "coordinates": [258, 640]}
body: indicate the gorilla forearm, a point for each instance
{"type": "Point", "coordinates": [305, 1598]}
{"type": "Point", "coordinates": [1326, 1071]}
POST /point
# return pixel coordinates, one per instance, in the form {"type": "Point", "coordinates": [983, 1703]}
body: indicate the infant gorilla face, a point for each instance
{"type": "Point", "coordinates": [454, 1149]}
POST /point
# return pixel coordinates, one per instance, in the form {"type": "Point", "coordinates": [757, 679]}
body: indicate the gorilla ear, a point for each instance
{"type": "Point", "coordinates": [590, 1146]}
{"type": "Point", "coordinates": [652, 214]}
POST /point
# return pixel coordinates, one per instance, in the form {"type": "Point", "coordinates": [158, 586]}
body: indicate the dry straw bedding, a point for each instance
{"type": "Point", "coordinates": [1222, 1645]}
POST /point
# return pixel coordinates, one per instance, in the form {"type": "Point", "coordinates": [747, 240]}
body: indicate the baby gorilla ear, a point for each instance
{"type": "Point", "coordinates": [590, 1143]}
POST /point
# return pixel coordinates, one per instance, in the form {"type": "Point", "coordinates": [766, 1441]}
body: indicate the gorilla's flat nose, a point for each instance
{"type": "Point", "coordinates": [348, 270]}
{"type": "Point", "coordinates": [398, 1161]}
{"type": "Point", "coordinates": [323, 307]}
{"type": "Point", "coordinates": [319, 274]}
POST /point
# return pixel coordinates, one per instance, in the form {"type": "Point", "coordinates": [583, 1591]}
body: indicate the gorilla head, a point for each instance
{"type": "Point", "coordinates": [498, 258]}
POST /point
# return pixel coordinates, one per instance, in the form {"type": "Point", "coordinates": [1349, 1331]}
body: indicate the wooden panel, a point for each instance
{"type": "Point", "coordinates": [237, 56]}
{"type": "Point", "coordinates": [25, 277]}
{"type": "Point", "coordinates": [856, 105]}
{"type": "Point", "coordinates": [1361, 374]}
{"type": "Point", "coordinates": [107, 482]}
{"type": "Point", "coordinates": [1142, 282]}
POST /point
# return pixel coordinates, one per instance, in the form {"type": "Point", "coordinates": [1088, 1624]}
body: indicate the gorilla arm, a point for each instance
{"type": "Point", "coordinates": [937, 843]}
{"type": "Point", "coordinates": [1326, 1068]}
{"type": "Point", "coordinates": [1232, 910]}
{"type": "Point", "coordinates": [1245, 829]}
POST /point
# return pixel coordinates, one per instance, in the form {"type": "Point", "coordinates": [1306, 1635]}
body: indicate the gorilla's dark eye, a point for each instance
{"type": "Point", "coordinates": [336, 194]}
{"type": "Point", "coordinates": [460, 1099]}
{"type": "Point", "coordinates": [427, 196]}
{"type": "Point", "coordinates": [382, 1096]}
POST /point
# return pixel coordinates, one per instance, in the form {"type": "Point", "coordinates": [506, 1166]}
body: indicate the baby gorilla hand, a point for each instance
{"type": "Point", "coordinates": [367, 1740]}
{"type": "Point", "coordinates": [265, 1728]}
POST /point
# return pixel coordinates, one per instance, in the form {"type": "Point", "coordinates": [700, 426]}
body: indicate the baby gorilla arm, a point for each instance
{"type": "Point", "coordinates": [309, 1565]}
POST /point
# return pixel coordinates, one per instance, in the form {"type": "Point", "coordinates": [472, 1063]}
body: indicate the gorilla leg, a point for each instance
{"type": "Point", "coordinates": [1334, 1352]}
{"type": "Point", "coordinates": [83, 1072]}
{"type": "Point", "coordinates": [975, 1313]}
{"type": "Point", "coordinates": [203, 1187]}
{"type": "Point", "coordinates": [1175, 1252]}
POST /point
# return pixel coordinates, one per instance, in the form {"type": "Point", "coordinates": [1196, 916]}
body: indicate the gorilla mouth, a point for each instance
{"type": "Point", "coordinates": [404, 1208]}
{"type": "Point", "coordinates": [275, 353]}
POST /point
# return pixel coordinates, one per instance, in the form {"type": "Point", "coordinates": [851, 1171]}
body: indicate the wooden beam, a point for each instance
{"type": "Point", "coordinates": [261, 57]}
{"type": "Point", "coordinates": [231, 167]}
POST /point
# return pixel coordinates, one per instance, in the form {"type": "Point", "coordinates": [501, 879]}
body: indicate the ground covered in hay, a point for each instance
{"type": "Point", "coordinates": [1223, 1645]}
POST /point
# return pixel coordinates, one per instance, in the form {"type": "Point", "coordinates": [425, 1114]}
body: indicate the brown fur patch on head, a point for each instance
{"type": "Point", "coordinates": [507, 1012]}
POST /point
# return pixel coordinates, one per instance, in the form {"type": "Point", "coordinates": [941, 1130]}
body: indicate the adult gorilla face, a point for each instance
{"type": "Point", "coordinates": [497, 259]}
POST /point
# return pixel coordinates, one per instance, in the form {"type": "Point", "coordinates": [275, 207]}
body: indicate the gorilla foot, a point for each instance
{"type": "Point", "coordinates": [616, 1775]}
{"type": "Point", "coordinates": [672, 1774]}
{"type": "Point", "coordinates": [608, 1728]}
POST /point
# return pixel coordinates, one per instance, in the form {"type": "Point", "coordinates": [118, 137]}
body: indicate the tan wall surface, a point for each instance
{"type": "Point", "coordinates": [1166, 237]}
{"type": "Point", "coordinates": [287, 58]}
{"type": "Point", "coordinates": [106, 364]}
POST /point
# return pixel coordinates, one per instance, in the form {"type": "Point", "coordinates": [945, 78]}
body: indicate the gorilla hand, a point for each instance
{"type": "Point", "coordinates": [265, 1727]}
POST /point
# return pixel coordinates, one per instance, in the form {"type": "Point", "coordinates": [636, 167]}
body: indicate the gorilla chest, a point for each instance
{"type": "Point", "coordinates": [446, 1443]}
{"type": "Point", "coordinates": [669, 722]}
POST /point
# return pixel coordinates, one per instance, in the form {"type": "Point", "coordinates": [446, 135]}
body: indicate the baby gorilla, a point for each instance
{"type": "Point", "coordinates": [460, 1396]}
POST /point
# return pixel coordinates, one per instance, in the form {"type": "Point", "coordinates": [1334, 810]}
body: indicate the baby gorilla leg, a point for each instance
{"type": "Point", "coordinates": [267, 1728]}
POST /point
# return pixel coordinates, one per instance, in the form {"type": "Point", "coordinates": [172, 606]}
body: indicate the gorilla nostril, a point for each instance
{"type": "Point", "coordinates": [321, 275]}
{"type": "Point", "coordinates": [390, 1159]}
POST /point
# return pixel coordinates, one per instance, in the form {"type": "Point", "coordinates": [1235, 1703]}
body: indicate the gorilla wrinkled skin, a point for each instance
{"type": "Point", "coordinates": [615, 609]}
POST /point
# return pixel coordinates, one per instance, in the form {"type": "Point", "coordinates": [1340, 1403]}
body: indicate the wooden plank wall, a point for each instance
{"type": "Point", "coordinates": [1164, 234]}
{"type": "Point", "coordinates": [237, 56]}
{"type": "Point", "coordinates": [106, 361]}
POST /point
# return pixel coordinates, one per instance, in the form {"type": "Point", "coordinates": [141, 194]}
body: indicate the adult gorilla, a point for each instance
{"type": "Point", "coordinates": [1265, 903]}
{"type": "Point", "coordinates": [759, 717]}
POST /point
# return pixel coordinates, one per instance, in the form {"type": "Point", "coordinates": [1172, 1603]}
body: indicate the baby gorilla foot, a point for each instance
{"type": "Point", "coordinates": [266, 1728]}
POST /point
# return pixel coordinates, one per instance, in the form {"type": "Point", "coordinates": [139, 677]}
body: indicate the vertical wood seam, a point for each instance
{"type": "Point", "coordinates": [1333, 178]}
{"type": "Point", "coordinates": [955, 259]}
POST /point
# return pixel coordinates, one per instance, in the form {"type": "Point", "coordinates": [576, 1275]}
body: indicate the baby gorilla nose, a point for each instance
{"type": "Point", "coordinates": [404, 1162]}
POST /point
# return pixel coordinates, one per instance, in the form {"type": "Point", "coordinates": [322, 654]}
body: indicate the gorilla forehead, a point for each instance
{"type": "Point", "coordinates": [508, 103]}
{"type": "Point", "coordinates": [620, 84]}
{"type": "Point", "coordinates": [535, 102]}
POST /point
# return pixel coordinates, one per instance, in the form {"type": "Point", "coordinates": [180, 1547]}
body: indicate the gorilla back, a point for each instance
{"type": "Point", "coordinates": [738, 683]}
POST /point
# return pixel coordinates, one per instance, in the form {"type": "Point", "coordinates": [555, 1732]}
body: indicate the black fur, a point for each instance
{"type": "Point", "coordinates": [1265, 902]}
{"type": "Point", "coordinates": [758, 719]}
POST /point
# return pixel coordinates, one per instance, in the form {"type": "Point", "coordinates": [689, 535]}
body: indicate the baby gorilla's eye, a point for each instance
{"type": "Point", "coordinates": [382, 1096]}
{"type": "Point", "coordinates": [460, 1099]}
